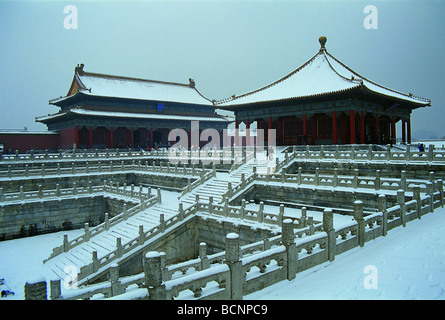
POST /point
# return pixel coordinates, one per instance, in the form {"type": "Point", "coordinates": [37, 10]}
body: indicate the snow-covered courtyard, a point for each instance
{"type": "Point", "coordinates": [409, 263]}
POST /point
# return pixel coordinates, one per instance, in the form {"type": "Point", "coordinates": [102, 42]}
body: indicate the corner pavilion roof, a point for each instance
{"type": "Point", "coordinates": [321, 75]}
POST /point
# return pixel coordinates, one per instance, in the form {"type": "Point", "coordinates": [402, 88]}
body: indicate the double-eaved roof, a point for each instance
{"type": "Point", "coordinates": [109, 86]}
{"type": "Point", "coordinates": [105, 96]}
{"type": "Point", "coordinates": [322, 75]}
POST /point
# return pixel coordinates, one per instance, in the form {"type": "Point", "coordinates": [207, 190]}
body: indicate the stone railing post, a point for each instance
{"type": "Point", "coordinates": [280, 216]}
{"type": "Point", "coordinates": [119, 248]}
{"type": "Point", "coordinates": [21, 194]}
{"type": "Point", "coordinates": [66, 243]}
{"type": "Point", "coordinates": [205, 264]}
{"type": "Point", "coordinates": [233, 255]}
{"type": "Point", "coordinates": [161, 223]}
{"type": "Point", "coordinates": [261, 212]}
{"type": "Point", "coordinates": [317, 176]}
{"type": "Point", "coordinates": [116, 287]}
{"type": "Point", "coordinates": [303, 220]}
{"type": "Point", "coordinates": [430, 192]}
{"type": "Point", "coordinates": [431, 152]}
{"type": "Point", "coordinates": [416, 196]}
{"type": "Point", "coordinates": [328, 227]}
{"type": "Point", "coordinates": [181, 211]}
{"type": "Point", "coordinates": [210, 204]}
{"type": "Point", "coordinates": [87, 232]}
{"type": "Point", "coordinates": [229, 189]}
{"type": "Point", "coordinates": [403, 180]}
{"type": "Point", "coordinates": [335, 178]}
{"type": "Point", "coordinates": [107, 222]}
{"type": "Point", "coordinates": [153, 276]}
{"type": "Point", "coordinates": [55, 289]}
{"type": "Point", "coordinates": [74, 189]}
{"type": "Point", "coordinates": [159, 196]}
{"type": "Point", "coordinates": [226, 207]}
{"type": "Point", "coordinates": [300, 170]}
{"type": "Point", "coordinates": [377, 180]}
{"type": "Point", "coordinates": [439, 185]}
{"type": "Point", "coordinates": [401, 202]}
{"type": "Point", "coordinates": [141, 235]}
{"type": "Point", "coordinates": [381, 205]}
{"type": "Point", "coordinates": [388, 152]}
{"type": "Point", "coordinates": [125, 212]}
{"type": "Point", "coordinates": [358, 216]}
{"type": "Point", "coordinates": [35, 289]}
{"type": "Point", "coordinates": [288, 240]}
{"type": "Point", "coordinates": [243, 209]}
{"type": "Point", "coordinates": [355, 179]}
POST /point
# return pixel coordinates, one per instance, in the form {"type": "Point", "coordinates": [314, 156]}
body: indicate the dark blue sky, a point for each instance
{"type": "Point", "coordinates": [226, 46]}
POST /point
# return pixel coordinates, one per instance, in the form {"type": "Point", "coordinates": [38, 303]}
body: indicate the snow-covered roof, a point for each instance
{"type": "Point", "coordinates": [134, 115]}
{"type": "Point", "coordinates": [95, 84]}
{"type": "Point", "coordinates": [321, 75]}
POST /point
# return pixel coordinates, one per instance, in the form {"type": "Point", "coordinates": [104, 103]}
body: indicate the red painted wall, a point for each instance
{"type": "Point", "coordinates": [24, 141]}
{"type": "Point", "coordinates": [67, 138]}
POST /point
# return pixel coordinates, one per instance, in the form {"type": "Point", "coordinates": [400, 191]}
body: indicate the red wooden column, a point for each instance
{"type": "Point", "coordinates": [111, 138]}
{"type": "Point", "coordinates": [362, 128]}
{"type": "Point", "coordinates": [334, 127]}
{"type": "Point", "coordinates": [76, 138]}
{"type": "Point", "coordinates": [91, 137]}
{"type": "Point", "coordinates": [304, 124]}
{"type": "Point", "coordinates": [343, 122]}
{"type": "Point", "coordinates": [132, 137]}
{"type": "Point", "coordinates": [314, 124]}
{"type": "Point", "coordinates": [280, 131]}
{"type": "Point", "coordinates": [247, 132]}
{"type": "Point", "coordinates": [352, 125]}
{"type": "Point", "coordinates": [151, 138]}
{"type": "Point", "coordinates": [377, 127]}
{"type": "Point", "coordinates": [393, 129]}
{"type": "Point", "coordinates": [408, 129]}
{"type": "Point", "coordinates": [235, 142]}
{"type": "Point", "coordinates": [403, 130]}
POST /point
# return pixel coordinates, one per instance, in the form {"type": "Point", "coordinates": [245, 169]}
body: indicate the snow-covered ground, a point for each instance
{"type": "Point", "coordinates": [438, 144]}
{"type": "Point", "coordinates": [409, 263]}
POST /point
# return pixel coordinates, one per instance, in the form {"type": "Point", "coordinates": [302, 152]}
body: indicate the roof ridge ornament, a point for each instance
{"type": "Point", "coordinates": [79, 69]}
{"type": "Point", "coordinates": [322, 41]}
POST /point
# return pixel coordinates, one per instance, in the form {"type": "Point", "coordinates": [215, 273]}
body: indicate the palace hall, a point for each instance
{"type": "Point", "coordinates": [321, 102]}
{"type": "Point", "coordinates": [326, 102]}
{"type": "Point", "coordinates": [105, 111]}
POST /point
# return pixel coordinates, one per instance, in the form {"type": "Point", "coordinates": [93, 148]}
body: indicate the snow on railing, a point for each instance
{"type": "Point", "coordinates": [143, 201]}
{"type": "Point", "coordinates": [204, 177]}
{"type": "Point", "coordinates": [240, 270]}
{"type": "Point", "coordinates": [390, 154]}
{"type": "Point", "coordinates": [100, 168]}
{"type": "Point", "coordinates": [356, 181]}
{"type": "Point", "coordinates": [90, 190]}
{"type": "Point", "coordinates": [206, 155]}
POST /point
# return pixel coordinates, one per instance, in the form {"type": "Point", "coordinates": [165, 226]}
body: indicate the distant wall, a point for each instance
{"type": "Point", "coordinates": [24, 141]}
{"type": "Point", "coordinates": [67, 138]}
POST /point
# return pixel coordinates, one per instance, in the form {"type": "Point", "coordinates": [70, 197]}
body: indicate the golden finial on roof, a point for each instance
{"type": "Point", "coordinates": [322, 41]}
